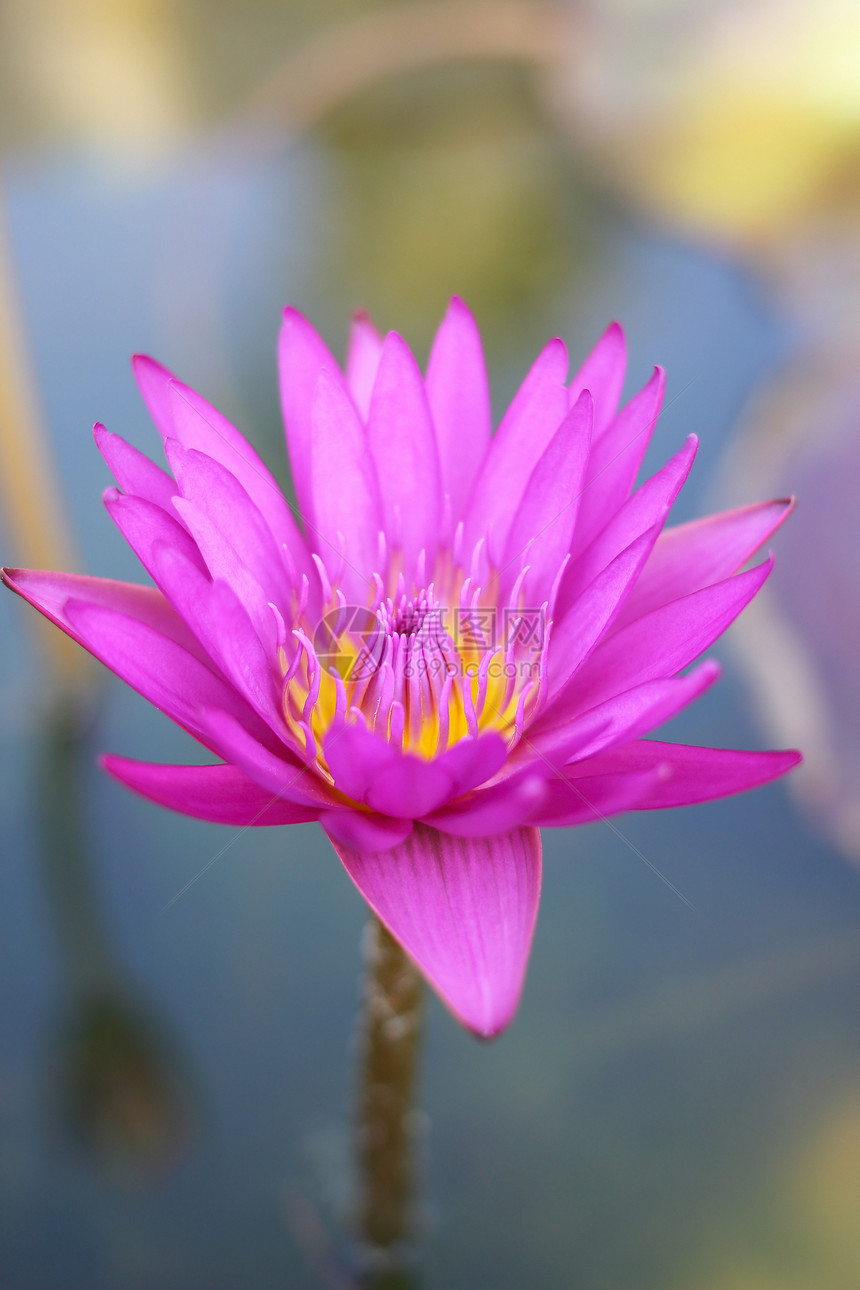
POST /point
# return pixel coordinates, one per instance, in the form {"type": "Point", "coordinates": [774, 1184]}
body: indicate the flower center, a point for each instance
{"type": "Point", "coordinates": [420, 668]}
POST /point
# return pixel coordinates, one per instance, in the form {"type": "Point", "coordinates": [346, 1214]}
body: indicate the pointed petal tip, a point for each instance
{"type": "Point", "coordinates": [711, 668]}
{"type": "Point", "coordinates": [144, 364]}
{"type": "Point", "coordinates": [293, 321]}
{"type": "Point", "coordinates": [464, 910]}
{"type": "Point", "coordinates": [362, 318]}
{"type": "Point", "coordinates": [457, 305]}
{"type": "Point", "coordinates": [111, 764]}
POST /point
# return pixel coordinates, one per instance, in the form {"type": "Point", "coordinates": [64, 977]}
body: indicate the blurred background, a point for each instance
{"type": "Point", "coordinates": [678, 1104]}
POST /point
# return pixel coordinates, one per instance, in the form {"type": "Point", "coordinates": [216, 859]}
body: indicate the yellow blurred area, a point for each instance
{"type": "Point", "coordinates": [737, 121]}
{"type": "Point", "coordinates": [824, 1186]}
{"type": "Point", "coordinates": [814, 1240]}
{"type": "Point", "coordinates": [108, 71]}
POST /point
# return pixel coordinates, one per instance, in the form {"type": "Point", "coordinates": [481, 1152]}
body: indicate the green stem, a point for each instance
{"type": "Point", "coordinates": [390, 1042]}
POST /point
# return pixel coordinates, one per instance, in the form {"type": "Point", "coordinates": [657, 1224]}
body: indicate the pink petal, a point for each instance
{"type": "Point", "coordinates": [459, 396]}
{"type": "Point", "coordinates": [354, 757]}
{"type": "Point", "coordinates": [571, 800]}
{"type": "Point", "coordinates": [495, 809]}
{"type": "Point", "coordinates": [615, 461]}
{"type": "Point", "coordinates": [221, 623]}
{"type": "Point", "coordinates": [695, 555]}
{"type": "Point", "coordinates": [574, 638]}
{"type": "Point", "coordinates": [217, 493]}
{"type": "Point", "coordinates": [542, 528]}
{"type": "Point", "coordinates": [602, 374]}
{"type": "Point", "coordinates": [181, 413]}
{"type": "Point", "coordinates": [692, 774]}
{"type": "Point", "coordinates": [368, 769]}
{"type": "Point", "coordinates": [279, 771]}
{"type": "Point", "coordinates": [648, 506]}
{"type": "Point", "coordinates": [363, 830]}
{"type": "Point", "coordinates": [302, 356]}
{"type": "Point", "coordinates": [48, 592]}
{"type": "Point", "coordinates": [146, 526]}
{"type": "Point", "coordinates": [223, 564]}
{"type": "Point", "coordinates": [463, 909]}
{"type": "Point", "coordinates": [410, 787]}
{"type": "Point", "coordinates": [168, 676]}
{"type": "Point", "coordinates": [172, 559]}
{"type": "Point", "coordinates": [133, 472]}
{"type": "Point", "coordinates": [537, 410]}
{"type": "Point", "coordinates": [362, 362]}
{"type": "Point", "coordinates": [347, 507]}
{"type": "Point", "coordinates": [403, 446]}
{"type": "Point", "coordinates": [624, 717]}
{"type": "Point", "coordinates": [219, 793]}
{"type": "Point", "coordinates": [473, 761]}
{"type": "Point", "coordinates": [661, 643]}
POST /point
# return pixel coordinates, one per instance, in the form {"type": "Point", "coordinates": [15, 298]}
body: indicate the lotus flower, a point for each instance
{"type": "Point", "coordinates": [465, 640]}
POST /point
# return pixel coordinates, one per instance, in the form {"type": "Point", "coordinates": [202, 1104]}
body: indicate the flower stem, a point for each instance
{"type": "Point", "coordinates": [389, 1060]}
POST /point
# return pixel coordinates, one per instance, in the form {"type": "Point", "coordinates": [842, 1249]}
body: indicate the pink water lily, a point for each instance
{"type": "Point", "coordinates": [466, 638]}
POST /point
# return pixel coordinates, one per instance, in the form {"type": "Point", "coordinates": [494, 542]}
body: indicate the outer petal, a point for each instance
{"type": "Point", "coordinates": [459, 396]}
{"type": "Point", "coordinates": [302, 355]}
{"type": "Point", "coordinates": [603, 374]}
{"type": "Point", "coordinates": [221, 793]}
{"type": "Point", "coordinates": [464, 910]}
{"type": "Point", "coordinates": [661, 643]}
{"type": "Point", "coordinates": [573, 639]}
{"type": "Point", "coordinates": [48, 592]}
{"type": "Point", "coordinates": [537, 410]}
{"type": "Point", "coordinates": [134, 472]}
{"type": "Point", "coordinates": [217, 493]}
{"type": "Point", "coordinates": [221, 623]}
{"type": "Point", "coordinates": [403, 446]}
{"type": "Point", "coordinates": [362, 362]}
{"type": "Point", "coordinates": [279, 770]}
{"type": "Point", "coordinates": [164, 673]}
{"type": "Point", "coordinates": [181, 413]}
{"type": "Point", "coordinates": [569, 800]}
{"type": "Point", "coordinates": [695, 555]}
{"type": "Point", "coordinates": [347, 509]}
{"type": "Point", "coordinates": [616, 459]}
{"type": "Point", "coordinates": [692, 774]}
{"type": "Point", "coordinates": [647, 508]}
{"type": "Point", "coordinates": [145, 526]}
{"type": "Point", "coordinates": [224, 564]}
{"type": "Point", "coordinates": [542, 528]}
{"type": "Point", "coordinates": [625, 716]}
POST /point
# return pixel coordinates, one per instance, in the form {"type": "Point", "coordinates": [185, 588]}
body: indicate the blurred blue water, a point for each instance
{"type": "Point", "coordinates": [634, 1122]}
